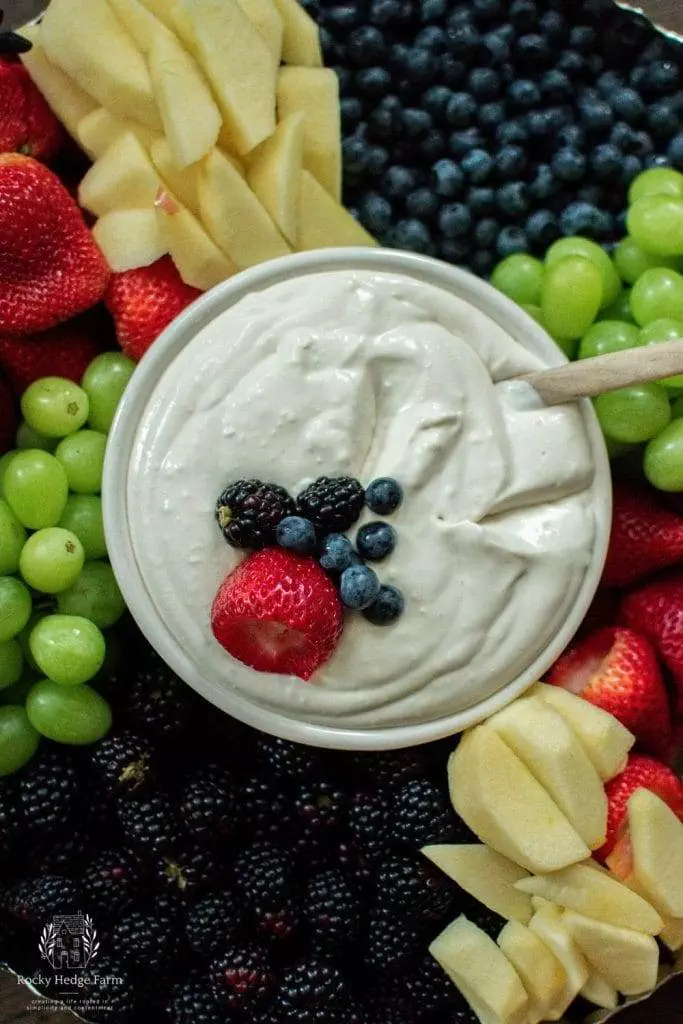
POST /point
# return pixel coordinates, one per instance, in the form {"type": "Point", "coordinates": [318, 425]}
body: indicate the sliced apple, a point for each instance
{"type": "Point", "coordinates": [508, 808]}
{"type": "Point", "coordinates": [323, 222]}
{"type": "Point", "coordinates": [99, 129]}
{"type": "Point", "coordinates": [672, 933]}
{"type": "Point", "coordinates": [122, 178]}
{"type": "Point", "coordinates": [66, 99]}
{"type": "Point", "coordinates": [236, 60]}
{"type": "Point", "coordinates": [314, 93]}
{"type": "Point", "coordinates": [625, 958]}
{"type": "Point", "coordinates": [600, 992]}
{"type": "Point", "coordinates": [130, 238]}
{"type": "Point", "coordinates": [605, 740]}
{"type": "Point", "coordinates": [547, 923]}
{"type": "Point", "coordinates": [142, 25]}
{"type": "Point", "coordinates": [542, 974]}
{"type": "Point", "coordinates": [274, 174]}
{"type": "Point", "coordinates": [191, 118]}
{"type": "Point", "coordinates": [163, 10]}
{"type": "Point", "coordinates": [549, 748]}
{"type": "Point", "coordinates": [198, 259]}
{"type": "Point", "coordinates": [482, 972]}
{"type": "Point", "coordinates": [233, 216]}
{"type": "Point", "coordinates": [301, 38]}
{"type": "Point", "coordinates": [657, 844]}
{"type": "Point", "coordinates": [87, 41]}
{"type": "Point", "coordinates": [486, 875]}
{"type": "Point", "coordinates": [595, 894]}
{"type": "Point", "coordinates": [268, 20]}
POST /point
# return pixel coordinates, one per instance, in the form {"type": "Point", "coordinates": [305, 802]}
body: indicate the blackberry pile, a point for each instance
{"type": "Point", "coordinates": [474, 130]}
{"type": "Point", "coordinates": [230, 875]}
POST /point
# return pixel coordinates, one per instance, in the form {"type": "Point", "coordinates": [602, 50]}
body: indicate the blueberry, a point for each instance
{"type": "Point", "coordinates": [512, 198]}
{"type": "Point", "coordinates": [432, 146]}
{"type": "Point", "coordinates": [386, 120]}
{"type": "Point", "coordinates": [358, 586]}
{"type": "Point", "coordinates": [609, 83]}
{"type": "Point", "coordinates": [510, 162]}
{"type": "Point", "coordinates": [366, 46]}
{"type": "Point", "coordinates": [462, 141]}
{"type": "Point", "coordinates": [433, 10]}
{"type": "Point", "coordinates": [542, 228]}
{"type": "Point", "coordinates": [351, 111]}
{"type": "Point", "coordinates": [544, 124]}
{"type": "Point", "coordinates": [384, 12]}
{"type": "Point", "coordinates": [383, 495]}
{"type": "Point", "coordinates": [572, 136]}
{"type": "Point", "coordinates": [662, 76]}
{"type": "Point", "coordinates": [375, 541]}
{"type": "Point", "coordinates": [336, 552]}
{"type": "Point", "coordinates": [486, 232]}
{"type": "Point", "coordinates": [524, 94]}
{"type": "Point", "coordinates": [435, 100]}
{"type": "Point", "coordinates": [462, 39]}
{"type": "Point", "coordinates": [377, 159]}
{"type": "Point", "coordinates": [387, 607]}
{"type": "Point", "coordinates": [571, 63]}
{"type": "Point", "coordinates": [375, 213]}
{"type": "Point", "coordinates": [413, 235]}
{"type": "Point", "coordinates": [477, 165]}
{"type": "Point", "coordinates": [631, 166]}
{"type": "Point", "coordinates": [354, 155]}
{"type": "Point", "coordinates": [590, 194]}
{"type": "Point", "coordinates": [523, 14]}
{"type": "Point", "coordinates": [480, 201]}
{"type": "Point", "coordinates": [579, 218]}
{"type": "Point", "coordinates": [627, 104]}
{"type": "Point", "coordinates": [495, 48]}
{"type": "Point", "coordinates": [482, 262]}
{"type": "Point", "coordinates": [447, 178]}
{"type": "Point", "coordinates": [373, 83]}
{"type": "Point", "coordinates": [583, 38]}
{"type": "Point", "coordinates": [296, 534]}
{"type": "Point", "coordinates": [596, 115]}
{"type": "Point", "coordinates": [454, 250]}
{"type": "Point", "coordinates": [460, 109]}
{"type": "Point", "coordinates": [345, 79]}
{"type": "Point", "coordinates": [417, 123]}
{"type": "Point", "coordinates": [431, 38]}
{"type": "Point", "coordinates": [510, 240]}
{"type": "Point", "coordinates": [453, 71]}
{"type": "Point", "coordinates": [556, 86]}
{"type": "Point", "coordinates": [342, 18]}
{"type": "Point", "coordinates": [421, 66]}
{"type": "Point", "coordinates": [605, 161]}
{"type": "Point", "coordinates": [398, 181]}
{"type": "Point", "coordinates": [663, 119]}
{"type": "Point", "coordinates": [423, 203]}
{"type": "Point", "coordinates": [484, 83]}
{"type": "Point", "coordinates": [656, 160]}
{"type": "Point", "coordinates": [455, 220]}
{"type": "Point", "coordinates": [553, 25]}
{"type": "Point", "coordinates": [533, 51]}
{"type": "Point", "coordinates": [637, 77]}
{"type": "Point", "coordinates": [621, 136]}
{"type": "Point", "coordinates": [568, 164]}
{"type": "Point", "coordinates": [642, 144]}
{"type": "Point", "coordinates": [512, 132]}
{"type": "Point", "coordinates": [486, 10]}
{"type": "Point", "coordinates": [675, 151]}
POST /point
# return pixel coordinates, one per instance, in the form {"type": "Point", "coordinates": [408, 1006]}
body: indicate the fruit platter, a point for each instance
{"type": "Point", "coordinates": [341, 665]}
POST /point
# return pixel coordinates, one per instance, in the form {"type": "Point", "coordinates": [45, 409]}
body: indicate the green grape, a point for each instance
{"type": "Point", "coordinates": [677, 408]}
{"type": "Point", "coordinates": [631, 261]}
{"type": "Point", "coordinates": [95, 595]}
{"type": "Point", "coordinates": [534, 312]}
{"type": "Point", "coordinates": [18, 739]}
{"type": "Point", "coordinates": [67, 648]}
{"type": "Point", "coordinates": [658, 294]}
{"type": "Point", "coordinates": [633, 414]}
{"type": "Point", "coordinates": [54, 406]}
{"type": "Point", "coordinates": [665, 329]}
{"type": "Point", "coordinates": [15, 607]}
{"type": "Point", "coordinates": [656, 223]}
{"type": "Point", "coordinates": [23, 638]}
{"type": "Point", "coordinates": [36, 488]}
{"type": "Point", "coordinates": [27, 437]}
{"type": "Point", "coordinates": [663, 459]}
{"type": "Point", "coordinates": [51, 560]}
{"type": "Point", "coordinates": [65, 714]}
{"type": "Point", "coordinates": [11, 663]}
{"type": "Point", "coordinates": [577, 246]}
{"type": "Point", "coordinates": [82, 455]}
{"type": "Point", "coordinates": [104, 382]}
{"type": "Point", "coordinates": [571, 297]}
{"type": "Point", "coordinates": [12, 539]}
{"type": "Point", "coordinates": [620, 308]}
{"type": "Point", "coordinates": [520, 277]}
{"type": "Point", "coordinates": [607, 336]}
{"type": "Point", "coordinates": [4, 463]}
{"type": "Point", "coordinates": [83, 516]}
{"type": "Point", "coordinates": [18, 692]}
{"type": "Point", "coordinates": [656, 181]}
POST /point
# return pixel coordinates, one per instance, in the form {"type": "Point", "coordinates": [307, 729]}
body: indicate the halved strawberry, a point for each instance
{"type": "Point", "coordinates": [278, 612]}
{"type": "Point", "coordinates": [646, 536]}
{"type": "Point", "coordinates": [641, 772]}
{"type": "Point", "coordinates": [655, 610]}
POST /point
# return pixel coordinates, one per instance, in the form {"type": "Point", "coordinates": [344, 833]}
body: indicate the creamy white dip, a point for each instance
{"type": "Point", "coordinates": [372, 375]}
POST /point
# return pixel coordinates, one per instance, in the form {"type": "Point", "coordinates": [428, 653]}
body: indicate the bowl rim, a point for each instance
{"type": "Point", "coordinates": [125, 428]}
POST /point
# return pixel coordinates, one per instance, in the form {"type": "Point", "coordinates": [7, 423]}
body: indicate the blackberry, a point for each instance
{"type": "Point", "coordinates": [242, 978]}
{"type": "Point", "coordinates": [111, 882]}
{"type": "Point", "coordinates": [36, 900]}
{"type": "Point", "coordinates": [190, 870]}
{"type": "Point", "coordinates": [248, 512]}
{"type": "Point", "coordinates": [103, 1004]}
{"type": "Point", "coordinates": [285, 759]}
{"type": "Point", "coordinates": [49, 794]}
{"type": "Point", "coordinates": [422, 814]}
{"type": "Point", "coordinates": [387, 1002]}
{"type": "Point", "coordinates": [159, 703]}
{"type": "Point", "coordinates": [207, 803]}
{"type": "Point", "coordinates": [408, 882]}
{"type": "Point", "coordinates": [214, 922]}
{"type": "Point", "coordinates": [393, 940]}
{"type": "Point", "coordinates": [430, 989]}
{"type": "Point", "coordinates": [193, 1002]}
{"type": "Point", "coordinates": [277, 924]}
{"type": "Point", "coordinates": [10, 811]}
{"type": "Point", "coordinates": [333, 910]}
{"type": "Point", "coordinates": [150, 824]}
{"type": "Point", "coordinates": [265, 875]}
{"type": "Point", "coordinates": [122, 763]}
{"type": "Point", "coordinates": [148, 940]}
{"type": "Point", "coordinates": [321, 807]}
{"type": "Point", "coordinates": [391, 768]}
{"type": "Point", "coordinates": [264, 811]}
{"type": "Point", "coordinates": [311, 992]}
{"type": "Point", "coordinates": [333, 504]}
{"type": "Point", "coordinates": [65, 857]}
{"type": "Point", "coordinates": [370, 823]}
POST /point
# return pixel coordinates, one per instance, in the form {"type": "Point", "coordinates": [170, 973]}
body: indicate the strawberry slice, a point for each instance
{"type": "Point", "coordinates": [646, 536]}
{"type": "Point", "coordinates": [278, 612]}
{"type": "Point", "coordinates": [655, 610]}
{"type": "Point", "coordinates": [641, 772]}
{"type": "Point", "coordinates": [617, 670]}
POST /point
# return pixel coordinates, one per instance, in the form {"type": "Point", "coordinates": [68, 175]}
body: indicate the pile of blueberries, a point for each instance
{"type": "Point", "coordinates": [478, 129]}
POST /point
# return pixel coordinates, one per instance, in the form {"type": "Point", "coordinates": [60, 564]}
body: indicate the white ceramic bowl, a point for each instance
{"type": "Point", "coordinates": [121, 439]}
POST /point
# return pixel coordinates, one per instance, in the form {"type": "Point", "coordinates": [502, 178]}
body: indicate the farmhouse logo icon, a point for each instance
{"type": "Point", "coordinates": [69, 942]}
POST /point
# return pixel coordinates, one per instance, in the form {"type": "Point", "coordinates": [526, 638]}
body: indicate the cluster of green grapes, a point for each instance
{"type": "Point", "coordinates": [592, 303]}
{"type": "Point", "coordinates": [57, 590]}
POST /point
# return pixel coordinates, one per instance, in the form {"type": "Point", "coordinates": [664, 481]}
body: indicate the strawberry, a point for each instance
{"type": "Point", "coordinates": [8, 417]}
{"type": "Point", "coordinates": [278, 612]}
{"type": "Point", "coordinates": [617, 670]}
{"type": "Point", "coordinates": [50, 267]}
{"type": "Point", "coordinates": [646, 536]}
{"type": "Point", "coordinates": [63, 351]}
{"type": "Point", "coordinates": [27, 125]}
{"type": "Point", "coordinates": [641, 772]}
{"type": "Point", "coordinates": [656, 611]}
{"type": "Point", "coordinates": [144, 301]}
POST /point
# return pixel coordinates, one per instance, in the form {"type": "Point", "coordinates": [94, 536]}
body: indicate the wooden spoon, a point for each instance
{"type": "Point", "coordinates": [589, 377]}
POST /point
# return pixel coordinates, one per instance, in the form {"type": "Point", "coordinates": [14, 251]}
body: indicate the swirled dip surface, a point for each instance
{"type": "Point", "coordinates": [372, 375]}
